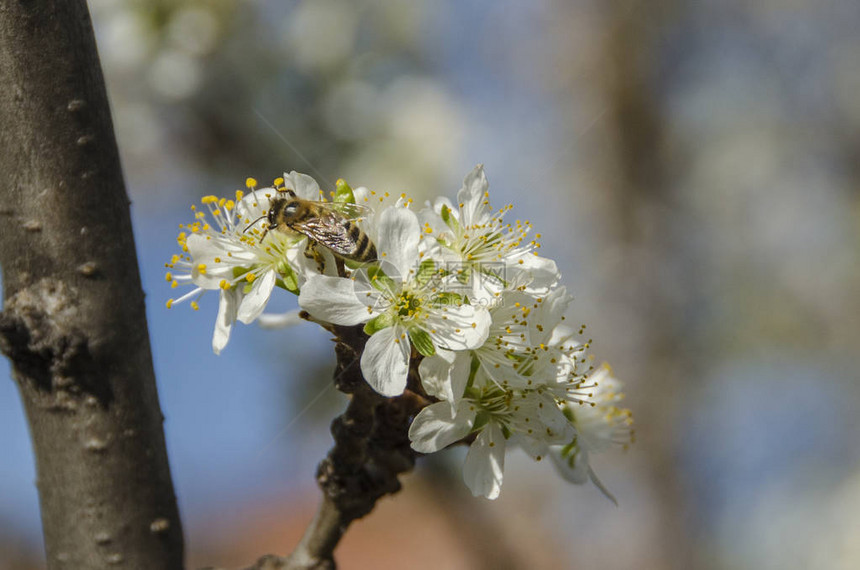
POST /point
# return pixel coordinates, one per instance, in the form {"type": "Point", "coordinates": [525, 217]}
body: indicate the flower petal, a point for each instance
{"type": "Point", "coordinates": [385, 361]}
{"type": "Point", "coordinates": [472, 197]}
{"type": "Point", "coordinates": [537, 273]}
{"type": "Point", "coordinates": [255, 300]}
{"type": "Point", "coordinates": [303, 185]}
{"type": "Point", "coordinates": [445, 374]}
{"type": "Point", "coordinates": [462, 327]}
{"type": "Point", "coordinates": [398, 241]}
{"type": "Point", "coordinates": [335, 300]}
{"type": "Point", "coordinates": [439, 425]}
{"type": "Point", "coordinates": [279, 320]}
{"type": "Point", "coordinates": [485, 463]}
{"type": "Point", "coordinates": [227, 306]}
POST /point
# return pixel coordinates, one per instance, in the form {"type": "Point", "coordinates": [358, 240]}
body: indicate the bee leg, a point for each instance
{"type": "Point", "coordinates": [341, 268]}
{"type": "Point", "coordinates": [311, 252]}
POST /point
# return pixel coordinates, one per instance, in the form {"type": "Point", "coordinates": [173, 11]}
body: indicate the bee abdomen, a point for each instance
{"type": "Point", "coordinates": [364, 248]}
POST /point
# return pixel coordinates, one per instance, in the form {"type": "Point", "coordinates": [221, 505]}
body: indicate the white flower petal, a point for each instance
{"type": "Point", "coordinates": [385, 361]}
{"type": "Point", "coordinates": [303, 185]}
{"type": "Point", "coordinates": [227, 306]}
{"type": "Point", "coordinates": [537, 273]}
{"type": "Point", "coordinates": [463, 327]}
{"type": "Point", "coordinates": [335, 300]}
{"type": "Point", "coordinates": [445, 374]}
{"type": "Point", "coordinates": [204, 252]}
{"type": "Point", "coordinates": [485, 463]}
{"type": "Point", "coordinates": [398, 240]}
{"type": "Point", "coordinates": [279, 320]}
{"type": "Point", "coordinates": [438, 425]}
{"type": "Point", "coordinates": [257, 298]}
{"type": "Point", "coordinates": [473, 198]}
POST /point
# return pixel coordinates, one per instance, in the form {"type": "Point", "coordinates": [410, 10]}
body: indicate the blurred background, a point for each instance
{"type": "Point", "coordinates": [694, 167]}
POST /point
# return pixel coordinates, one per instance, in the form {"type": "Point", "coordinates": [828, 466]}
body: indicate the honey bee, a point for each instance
{"type": "Point", "coordinates": [330, 224]}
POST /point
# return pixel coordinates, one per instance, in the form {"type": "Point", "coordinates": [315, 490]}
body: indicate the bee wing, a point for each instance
{"type": "Point", "coordinates": [347, 210]}
{"type": "Point", "coordinates": [328, 230]}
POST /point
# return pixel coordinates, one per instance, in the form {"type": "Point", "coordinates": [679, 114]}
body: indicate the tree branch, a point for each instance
{"type": "Point", "coordinates": [371, 450]}
{"type": "Point", "coordinates": [73, 321]}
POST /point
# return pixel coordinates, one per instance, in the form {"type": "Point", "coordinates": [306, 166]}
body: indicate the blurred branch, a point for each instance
{"type": "Point", "coordinates": [73, 322]}
{"type": "Point", "coordinates": [643, 202]}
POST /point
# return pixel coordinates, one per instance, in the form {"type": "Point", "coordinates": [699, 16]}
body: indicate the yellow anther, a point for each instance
{"type": "Point", "coordinates": [279, 181]}
{"type": "Point", "coordinates": [169, 303]}
{"type": "Point", "coordinates": [201, 268]}
{"type": "Point", "coordinates": [174, 284]}
{"type": "Point", "coordinates": [249, 277]}
{"type": "Point", "coordinates": [168, 276]}
{"type": "Point", "coordinates": [194, 305]}
{"type": "Point", "coordinates": [250, 183]}
{"type": "Point", "coordinates": [209, 199]}
{"type": "Point", "coordinates": [217, 260]}
{"type": "Point", "coordinates": [224, 284]}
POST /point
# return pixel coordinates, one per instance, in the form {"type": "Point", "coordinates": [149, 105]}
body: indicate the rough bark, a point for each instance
{"type": "Point", "coordinates": [73, 321]}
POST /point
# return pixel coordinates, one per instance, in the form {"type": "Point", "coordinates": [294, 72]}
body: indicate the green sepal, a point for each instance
{"type": "Point", "coordinates": [422, 342]}
{"type": "Point", "coordinates": [379, 279]}
{"type": "Point", "coordinates": [449, 219]}
{"type": "Point", "coordinates": [426, 271]}
{"type": "Point", "coordinates": [287, 279]}
{"type": "Point", "coordinates": [568, 413]}
{"type": "Point", "coordinates": [343, 193]}
{"type": "Point", "coordinates": [569, 449]}
{"type": "Point", "coordinates": [353, 264]}
{"type": "Point", "coordinates": [473, 370]}
{"type": "Point", "coordinates": [481, 419]}
{"type": "Point", "coordinates": [379, 322]}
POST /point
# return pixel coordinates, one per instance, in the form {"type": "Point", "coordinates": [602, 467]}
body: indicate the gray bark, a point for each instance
{"type": "Point", "coordinates": [73, 321]}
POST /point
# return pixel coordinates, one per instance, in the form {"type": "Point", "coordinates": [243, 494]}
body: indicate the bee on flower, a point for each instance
{"type": "Point", "coordinates": [452, 292]}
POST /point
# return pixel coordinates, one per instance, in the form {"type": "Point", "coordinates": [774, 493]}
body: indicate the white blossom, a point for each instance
{"type": "Point", "coordinates": [401, 304]}
{"type": "Point", "coordinates": [236, 256]}
{"type": "Point", "coordinates": [486, 253]}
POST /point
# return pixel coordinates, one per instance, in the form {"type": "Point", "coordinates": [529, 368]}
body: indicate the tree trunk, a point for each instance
{"type": "Point", "coordinates": [73, 321]}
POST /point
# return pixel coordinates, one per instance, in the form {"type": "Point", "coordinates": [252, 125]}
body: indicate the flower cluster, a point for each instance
{"type": "Point", "coordinates": [455, 293]}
